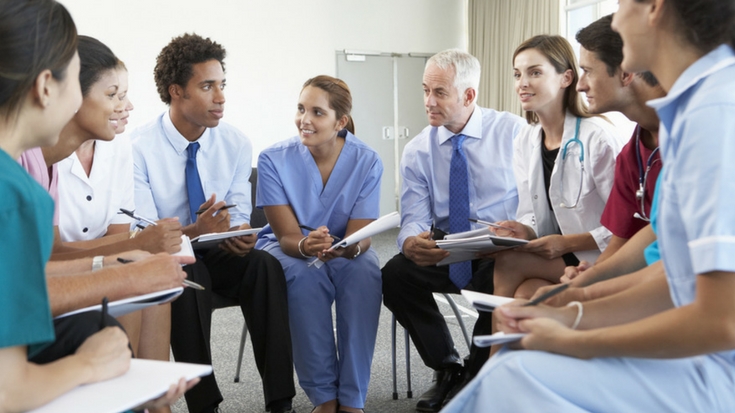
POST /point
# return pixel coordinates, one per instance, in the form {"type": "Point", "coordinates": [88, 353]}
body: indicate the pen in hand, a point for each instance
{"type": "Point", "coordinates": [547, 295]}
{"type": "Point", "coordinates": [201, 211]}
{"type": "Point", "coordinates": [336, 238]}
{"type": "Point", "coordinates": [490, 224]}
{"type": "Point", "coordinates": [131, 214]}
{"type": "Point", "coordinates": [187, 283]}
{"type": "Point", "coordinates": [103, 320]}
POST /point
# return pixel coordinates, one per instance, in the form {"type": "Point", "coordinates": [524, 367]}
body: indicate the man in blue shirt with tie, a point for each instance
{"type": "Point", "coordinates": [459, 167]}
{"type": "Point", "coordinates": [179, 157]}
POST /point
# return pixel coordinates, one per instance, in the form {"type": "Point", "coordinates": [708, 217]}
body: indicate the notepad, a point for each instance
{"type": "Point", "coordinates": [497, 338]}
{"type": "Point", "coordinates": [146, 380]}
{"type": "Point", "coordinates": [381, 224]}
{"type": "Point", "coordinates": [485, 302]}
{"type": "Point", "coordinates": [210, 240]}
{"type": "Point", "coordinates": [466, 245]}
{"type": "Point", "coordinates": [128, 305]}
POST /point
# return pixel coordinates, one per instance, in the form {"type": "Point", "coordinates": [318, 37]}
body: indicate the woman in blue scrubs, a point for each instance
{"type": "Point", "coordinates": [663, 345]}
{"type": "Point", "coordinates": [328, 180]}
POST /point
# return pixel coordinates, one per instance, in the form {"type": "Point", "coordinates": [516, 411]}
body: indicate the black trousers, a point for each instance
{"type": "Point", "coordinates": [407, 292]}
{"type": "Point", "coordinates": [71, 332]}
{"type": "Point", "coordinates": [258, 283]}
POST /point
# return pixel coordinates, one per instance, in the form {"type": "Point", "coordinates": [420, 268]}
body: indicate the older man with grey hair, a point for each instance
{"type": "Point", "coordinates": [460, 167]}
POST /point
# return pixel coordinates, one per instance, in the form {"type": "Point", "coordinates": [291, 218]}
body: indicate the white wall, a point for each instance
{"type": "Point", "coordinates": [272, 46]}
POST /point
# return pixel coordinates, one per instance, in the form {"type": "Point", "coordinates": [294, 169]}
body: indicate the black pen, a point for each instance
{"type": "Point", "coordinates": [547, 295]}
{"type": "Point", "coordinates": [187, 283]}
{"type": "Point", "coordinates": [201, 211]}
{"type": "Point", "coordinates": [131, 214]}
{"type": "Point", "coordinates": [431, 230]}
{"type": "Point", "coordinates": [103, 321]}
{"type": "Point", "coordinates": [336, 238]}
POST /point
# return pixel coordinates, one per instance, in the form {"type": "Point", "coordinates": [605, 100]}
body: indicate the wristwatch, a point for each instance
{"type": "Point", "coordinates": [98, 262]}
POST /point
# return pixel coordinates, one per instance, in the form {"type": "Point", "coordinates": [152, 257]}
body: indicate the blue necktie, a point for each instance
{"type": "Point", "coordinates": [459, 208]}
{"type": "Point", "coordinates": [193, 183]}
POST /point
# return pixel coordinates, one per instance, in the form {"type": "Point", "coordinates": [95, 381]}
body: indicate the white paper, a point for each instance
{"type": "Point", "coordinates": [466, 249]}
{"type": "Point", "coordinates": [485, 302]}
{"type": "Point", "coordinates": [128, 305]}
{"type": "Point", "coordinates": [186, 249]}
{"type": "Point", "coordinates": [497, 338]}
{"type": "Point", "coordinates": [381, 224]}
{"type": "Point", "coordinates": [146, 380]}
{"type": "Point", "coordinates": [227, 234]}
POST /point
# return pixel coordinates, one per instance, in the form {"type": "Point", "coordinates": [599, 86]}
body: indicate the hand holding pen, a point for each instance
{"type": "Point", "coordinates": [185, 282]}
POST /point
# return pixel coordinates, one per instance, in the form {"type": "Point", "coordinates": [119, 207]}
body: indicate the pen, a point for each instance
{"type": "Point", "coordinates": [547, 295]}
{"type": "Point", "coordinates": [103, 321]}
{"type": "Point", "coordinates": [336, 238]}
{"type": "Point", "coordinates": [187, 283]}
{"type": "Point", "coordinates": [131, 214]}
{"type": "Point", "coordinates": [490, 224]}
{"type": "Point", "coordinates": [224, 207]}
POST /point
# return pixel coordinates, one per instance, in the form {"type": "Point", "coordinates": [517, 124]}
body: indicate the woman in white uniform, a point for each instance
{"type": "Point", "coordinates": [564, 163]}
{"type": "Point", "coordinates": [664, 345]}
{"type": "Point", "coordinates": [315, 187]}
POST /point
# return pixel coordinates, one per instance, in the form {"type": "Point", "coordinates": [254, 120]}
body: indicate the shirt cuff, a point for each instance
{"type": "Point", "coordinates": [410, 230]}
{"type": "Point", "coordinates": [712, 254]}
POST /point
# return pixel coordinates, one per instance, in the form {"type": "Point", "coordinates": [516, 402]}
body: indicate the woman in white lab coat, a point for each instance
{"type": "Point", "coordinates": [564, 164]}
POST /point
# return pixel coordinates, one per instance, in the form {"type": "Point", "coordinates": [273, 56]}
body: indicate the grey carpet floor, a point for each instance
{"type": "Point", "coordinates": [247, 395]}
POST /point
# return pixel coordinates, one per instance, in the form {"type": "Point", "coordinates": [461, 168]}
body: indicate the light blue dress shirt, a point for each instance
{"type": "Point", "coordinates": [425, 172]}
{"type": "Point", "coordinates": [159, 156]}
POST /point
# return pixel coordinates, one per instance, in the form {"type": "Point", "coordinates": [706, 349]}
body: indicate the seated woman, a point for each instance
{"type": "Point", "coordinates": [39, 93]}
{"type": "Point", "coordinates": [667, 344]}
{"type": "Point", "coordinates": [97, 179]}
{"type": "Point", "coordinates": [325, 178]}
{"type": "Point", "coordinates": [564, 164]}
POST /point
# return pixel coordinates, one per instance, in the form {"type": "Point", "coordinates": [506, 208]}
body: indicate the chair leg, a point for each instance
{"type": "Point", "coordinates": [409, 392]}
{"type": "Point", "coordinates": [458, 315]}
{"type": "Point", "coordinates": [393, 357]}
{"type": "Point", "coordinates": [242, 349]}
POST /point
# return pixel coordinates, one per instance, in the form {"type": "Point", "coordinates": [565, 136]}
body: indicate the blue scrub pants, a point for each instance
{"type": "Point", "coordinates": [329, 370]}
{"type": "Point", "coordinates": [536, 381]}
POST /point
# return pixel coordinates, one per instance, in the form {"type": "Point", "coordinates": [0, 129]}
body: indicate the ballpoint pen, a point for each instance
{"type": "Point", "coordinates": [187, 283]}
{"type": "Point", "coordinates": [224, 207]}
{"type": "Point", "coordinates": [131, 214]}
{"type": "Point", "coordinates": [490, 224]}
{"type": "Point", "coordinates": [547, 295]}
{"type": "Point", "coordinates": [336, 238]}
{"type": "Point", "coordinates": [103, 320]}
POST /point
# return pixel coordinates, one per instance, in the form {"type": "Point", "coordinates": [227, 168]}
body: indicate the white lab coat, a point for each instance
{"type": "Point", "coordinates": [601, 147]}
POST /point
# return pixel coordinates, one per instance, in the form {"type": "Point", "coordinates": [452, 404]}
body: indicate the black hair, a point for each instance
{"type": "Point", "coordinates": [174, 63]}
{"type": "Point", "coordinates": [649, 78]}
{"type": "Point", "coordinates": [600, 39]}
{"type": "Point", "coordinates": [95, 59]}
{"type": "Point", "coordinates": [35, 35]}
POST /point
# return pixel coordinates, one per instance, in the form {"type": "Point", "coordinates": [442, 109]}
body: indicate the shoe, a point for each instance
{"type": "Point", "coordinates": [444, 381]}
{"type": "Point", "coordinates": [287, 409]}
{"type": "Point", "coordinates": [456, 389]}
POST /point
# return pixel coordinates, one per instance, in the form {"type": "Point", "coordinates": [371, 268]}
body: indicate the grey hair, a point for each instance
{"type": "Point", "coordinates": [466, 68]}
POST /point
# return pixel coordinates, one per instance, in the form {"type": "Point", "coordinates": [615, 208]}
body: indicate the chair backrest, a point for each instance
{"type": "Point", "coordinates": [257, 217]}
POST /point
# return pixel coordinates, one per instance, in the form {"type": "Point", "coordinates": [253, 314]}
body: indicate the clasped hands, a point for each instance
{"type": "Point", "coordinates": [318, 243]}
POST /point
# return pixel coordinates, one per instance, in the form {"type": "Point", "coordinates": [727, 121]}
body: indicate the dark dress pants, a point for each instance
{"type": "Point", "coordinates": [407, 292]}
{"type": "Point", "coordinates": [258, 283]}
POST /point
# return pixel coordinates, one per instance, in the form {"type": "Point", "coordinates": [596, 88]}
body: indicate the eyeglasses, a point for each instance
{"type": "Point", "coordinates": [581, 165]}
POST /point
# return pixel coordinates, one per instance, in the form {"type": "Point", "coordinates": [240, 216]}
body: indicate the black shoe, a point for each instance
{"type": "Point", "coordinates": [444, 381]}
{"type": "Point", "coordinates": [280, 406]}
{"type": "Point", "coordinates": [463, 380]}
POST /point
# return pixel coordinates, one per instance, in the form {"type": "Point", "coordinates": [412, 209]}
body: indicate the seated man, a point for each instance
{"type": "Point", "coordinates": [178, 157]}
{"type": "Point", "coordinates": [484, 141]}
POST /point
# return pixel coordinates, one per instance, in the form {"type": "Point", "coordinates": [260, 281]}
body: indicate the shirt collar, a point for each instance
{"type": "Point", "coordinates": [177, 140]}
{"type": "Point", "coordinates": [719, 58]}
{"type": "Point", "coordinates": [473, 128]}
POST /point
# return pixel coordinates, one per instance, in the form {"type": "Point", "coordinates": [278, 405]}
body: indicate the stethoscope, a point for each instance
{"type": "Point", "coordinates": [640, 194]}
{"type": "Point", "coordinates": [581, 163]}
